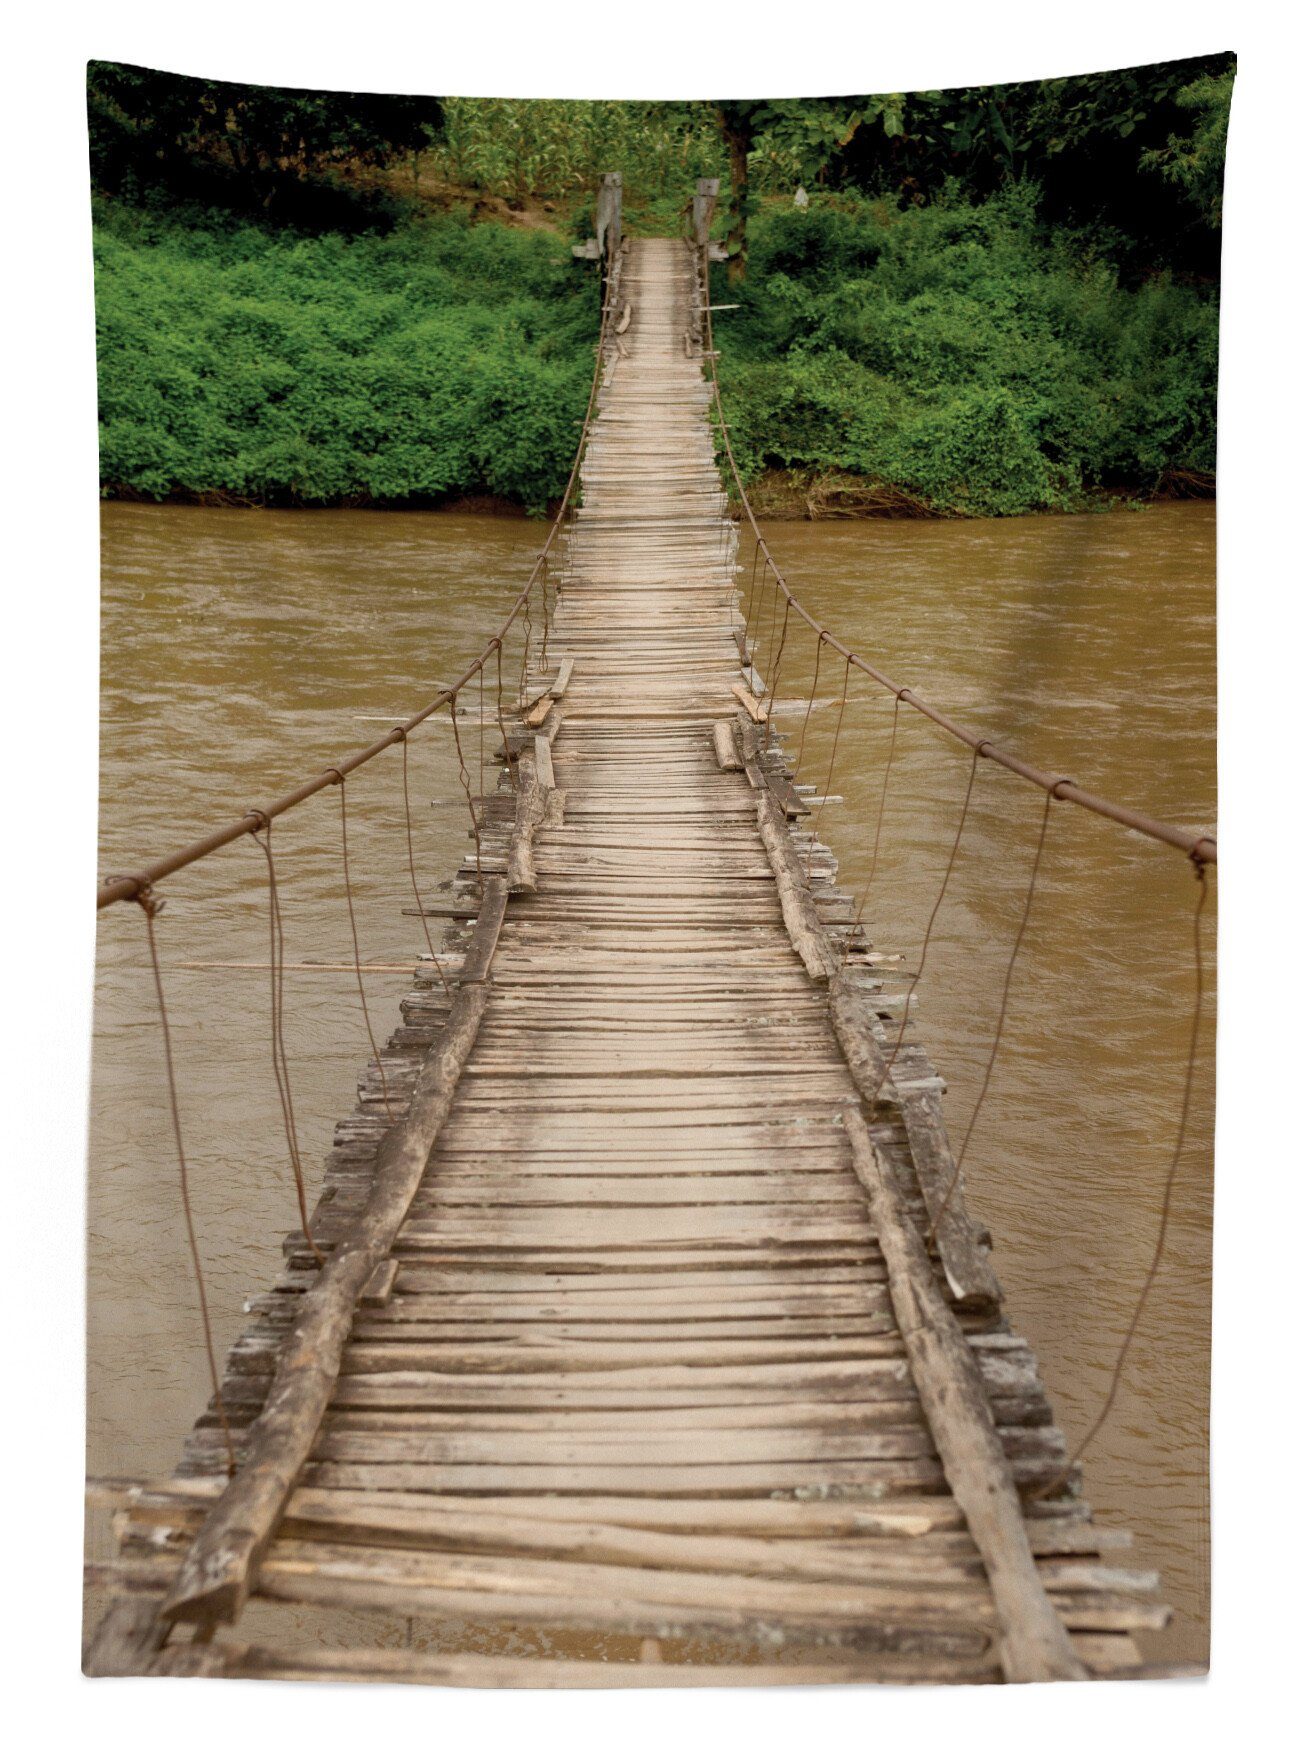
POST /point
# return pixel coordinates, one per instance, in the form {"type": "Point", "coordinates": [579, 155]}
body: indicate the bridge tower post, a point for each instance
{"type": "Point", "coordinates": [705, 200]}
{"type": "Point", "coordinates": [606, 242]}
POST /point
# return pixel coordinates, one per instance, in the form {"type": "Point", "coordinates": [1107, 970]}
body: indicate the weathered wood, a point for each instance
{"type": "Point", "coordinates": [630, 1355]}
{"type": "Point", "coordinates": [222, 1565]}
{"type": "Point", "coordinates": [750, 702]}
{"type": "Point", "coordinates": [520, 867]}
{"type": "Point", "coordinates": [801, 922]}
{"type": "Point", "coordinates": [127, 1638]}
{"type": "Point", "coordinates": [544, 764]}
{"type": "Point", "coordinates": [728, 756]}
{"type": "Point", "coordinates": [1034, 1645]}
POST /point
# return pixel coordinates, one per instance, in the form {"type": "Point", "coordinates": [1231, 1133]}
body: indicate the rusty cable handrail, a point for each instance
{"type": "Point", "coordinates": [136, 884]}
{"type": "Point", "coordinates": [1201, 848]}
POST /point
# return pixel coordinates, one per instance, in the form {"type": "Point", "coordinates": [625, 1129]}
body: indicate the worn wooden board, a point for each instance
{"type": "Point", "coordinates": [635, 1361]}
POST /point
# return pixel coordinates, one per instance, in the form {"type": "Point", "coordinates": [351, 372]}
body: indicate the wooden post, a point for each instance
{"type": "Point", "coordinates": [608, 215]}
{"type": "Point", "coordinates": [705, 199]}
{"type": "Point", "coordinates": [603, 246]}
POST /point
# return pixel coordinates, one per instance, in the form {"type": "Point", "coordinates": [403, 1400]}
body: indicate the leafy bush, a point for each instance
{"type": "Point", "coordinates": [964, 354]}
{"type": "Point", "coordinates": [441, 358]}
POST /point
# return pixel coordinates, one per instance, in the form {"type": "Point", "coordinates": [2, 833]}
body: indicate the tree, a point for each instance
{"type": "Point", "coordinates": [808, 132]}
{"type": "Point", "coordinates": [1196, 162]}
{"type": "Point", "coordinates": [264, 132]}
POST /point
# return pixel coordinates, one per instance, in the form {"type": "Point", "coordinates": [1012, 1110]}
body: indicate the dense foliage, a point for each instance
{"type": "Point", "coordinates": [240, 362]}
{"type": "Point", "coordinates": [146, 125]}
{"type": "Point", "coordinates": [986, 300]}
{"type": "Point", "coordinates": [965, 356]}
{"type": "Point", "coordinates": [533, 147]}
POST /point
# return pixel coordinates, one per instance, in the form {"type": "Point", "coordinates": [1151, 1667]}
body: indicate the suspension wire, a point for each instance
{"type": "Point", "coordinates": [150, 906]}
{"type": "Point", "coordinates": [1201, 847]}
{"type": "Point", "coordinates": [413, 875]}
{"type": "Point", "coordinates": [930, 928]}
{"type": "Point", "coordinates": [354, 934]}
{"type": "Point", "coordinates": [880, 819]}
{"type": "Point", "coordinates": [812, 695]}
{"type": "Point", "coordinates": [830, 769]}
{"type": "Point", "coordinates": [499, 711]}
{"type": "Point", "coordinates": [771, 631]}
{"type": "Point", "coordinates": [1168, 1190]}
{"type": "Point", "coordinates": [465, 777]}
{"type": "Point", "coordinates": [753, 581]}
{"type": "Point", "coordinates": [481, 727]}
{"type": "Point", "coordinates": [127, 887]}
{"type": "Point", "coordinates": [770, 712]}
{"type": "Point", "coordinates": [1022, 923]}
{"type": "Point", "coordinates": [280, 1060]}
{"type": "Point", "coordinates": [544, 604]}
{"type": "Point", "coordinates": [526, 644]}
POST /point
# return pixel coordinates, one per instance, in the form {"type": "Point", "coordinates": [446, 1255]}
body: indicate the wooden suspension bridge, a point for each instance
{"type": "Point", "coordinates": [653, 1329]}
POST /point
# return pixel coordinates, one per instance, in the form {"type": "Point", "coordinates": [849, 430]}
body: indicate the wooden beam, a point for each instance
{"type": "Point", "coordinates": [1034, 1646]}
{"type": "Point", "coordinates": [221, 1567]}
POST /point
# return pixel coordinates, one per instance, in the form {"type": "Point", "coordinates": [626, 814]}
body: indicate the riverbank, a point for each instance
{"type": "Point", "coordinates": [776, 494]}
{"type": "Point", "coordinates": [953, 360]}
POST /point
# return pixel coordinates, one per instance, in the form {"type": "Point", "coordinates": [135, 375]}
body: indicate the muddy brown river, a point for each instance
{"type": "Point", "coordinates": [244, 650]}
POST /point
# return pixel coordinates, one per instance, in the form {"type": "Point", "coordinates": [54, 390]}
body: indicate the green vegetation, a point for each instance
{"type": "Point", "coordinates": [963, 358]}
{"type": "Point", "coordinates": [237, 362]}
{"type": "Point", "coordinates": [995, 300]}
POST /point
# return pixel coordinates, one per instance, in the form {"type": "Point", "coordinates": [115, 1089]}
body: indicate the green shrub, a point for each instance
{"type": "Point", "coordinates": [443, 357]}
{"type": "Point", "coordinates": [964, 354]}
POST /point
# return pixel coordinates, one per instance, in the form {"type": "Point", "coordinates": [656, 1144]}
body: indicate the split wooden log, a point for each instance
{"type": "Point", "coordinates": [485, 936]}
{"type": "Point", "coordinates": [970, 1276]}
{"type": "Point", "coordinates": [1034, 1644]}
{"type": "Point", "coordinates": [221, 1567]}
{"type": "Point", "coordinates": [723, 739]}
{"type": "Point", "coordinates": [798, 909]}
{"type": "Point", "coordinates": [127, 1639]}
{"type": "Point", "coordinates": [530, 811]}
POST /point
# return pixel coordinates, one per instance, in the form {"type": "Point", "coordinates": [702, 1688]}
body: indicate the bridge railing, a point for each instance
{"type": "Point", "coordinates": [1198, 846]}
{"type": "Point", "coordinates": [139, 885]}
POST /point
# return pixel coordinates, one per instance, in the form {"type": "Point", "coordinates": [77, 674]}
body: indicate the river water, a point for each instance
{"type": "Point", "coordinates": [243, 649]}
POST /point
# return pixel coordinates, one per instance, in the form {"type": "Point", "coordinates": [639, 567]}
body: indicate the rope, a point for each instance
{"type": "Point", "coordinates": [280, 1062]}
{"type": "Point", "coordinates": [1201, 848]}
{"type": "Point", "coordinates": [1168, 1190]}
{"type": "Point", "coordinates": [354, 935]}
{"type": "Point", "coordinates": [1002, 1018]}
{"type": "Point", "coordinates": [413, 876]}
{"type": "Point", "coordinates": [466, 779]}
{"type": "Point", "coordinates": [499, 710]}
{"type": "Point", "coordinates": [875, 845]}
{"type": "Point", "coordinates": [128, 887]}
{"type": "Point", "coordinates": [812, 695]}
{"type": "Point", "coordinates": [753, 581]}
{"type": "Point", "coordinates": [830, 768]}
{"type": "Point", "coordinates": [930, 930]}
{"type": "Point", "coordinates": [150, 906]}
{"type": "Point", "coordinates": [769, 712]}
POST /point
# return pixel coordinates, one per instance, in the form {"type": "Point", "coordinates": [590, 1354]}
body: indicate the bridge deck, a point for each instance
{"type": "Point", "coordinates": [637, 1371]}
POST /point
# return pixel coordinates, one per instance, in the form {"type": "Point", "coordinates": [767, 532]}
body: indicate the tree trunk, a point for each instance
{"type": "Point", "coordinates": [738, 143]}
